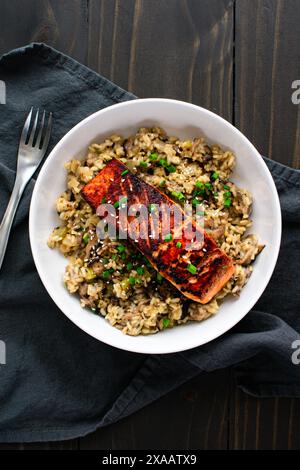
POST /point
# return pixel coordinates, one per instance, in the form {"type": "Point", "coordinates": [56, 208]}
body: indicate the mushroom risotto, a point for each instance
{"type": "Point", "coordinates": [115, 280]}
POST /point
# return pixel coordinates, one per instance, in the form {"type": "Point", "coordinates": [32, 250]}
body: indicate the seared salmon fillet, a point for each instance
{"type": "Point", "coordinates": [198, 271]}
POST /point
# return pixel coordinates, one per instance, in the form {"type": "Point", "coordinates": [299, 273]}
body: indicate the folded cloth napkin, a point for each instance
{"type": "Point", "coordinates": [58, 382]}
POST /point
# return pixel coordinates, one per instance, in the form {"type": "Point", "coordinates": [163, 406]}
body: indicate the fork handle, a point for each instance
{"type": "Point", "coordinates": [9, 215]}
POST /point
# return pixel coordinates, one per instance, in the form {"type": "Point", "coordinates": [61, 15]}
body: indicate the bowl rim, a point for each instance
{"type": "Point", "coordinates": [260, 289]}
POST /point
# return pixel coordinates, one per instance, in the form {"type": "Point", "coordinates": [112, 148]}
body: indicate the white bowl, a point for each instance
{"type": "Point", "coordinates": [186, 121]}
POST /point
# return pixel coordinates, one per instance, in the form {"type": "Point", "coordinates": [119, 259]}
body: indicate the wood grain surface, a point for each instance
{"type": "Point", "coordinates": [237, 58]}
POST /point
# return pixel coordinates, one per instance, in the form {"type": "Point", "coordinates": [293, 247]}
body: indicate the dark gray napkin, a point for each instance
{"type": "Point", "coordinates": [60, 383]}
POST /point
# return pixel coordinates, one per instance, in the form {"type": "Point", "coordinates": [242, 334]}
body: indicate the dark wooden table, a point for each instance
{"type": "Point", "coordinates": [239, 59]}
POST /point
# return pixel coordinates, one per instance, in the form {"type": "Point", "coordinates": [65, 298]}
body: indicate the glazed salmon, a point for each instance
{"type": "Point", "coordinates": [198, 271]}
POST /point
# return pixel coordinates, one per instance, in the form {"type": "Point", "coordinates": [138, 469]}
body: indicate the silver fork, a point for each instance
{"type": "Point", "coordinates": [32, 148]}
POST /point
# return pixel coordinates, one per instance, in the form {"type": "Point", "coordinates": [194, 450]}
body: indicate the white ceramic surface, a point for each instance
{"type": "Point", "coordinates": [186, 121]}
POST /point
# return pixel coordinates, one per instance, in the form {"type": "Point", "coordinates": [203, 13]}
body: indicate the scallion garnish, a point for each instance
{"type": "Point", "coordinates": [152, 207]}
{"type": "Point", "coordinates": [106, 274]}
{"type": "Point", "coordinates": [180, 196]}
{"type": "Point", "coordinates": [163, 162]}
{"type": "Point", "coordinates": [86, 238]}
{"type": "Point", "coordinates": [168, 237]}
{"type": "Point", "coordinates": [124, 172]}
{"type": "Point", "coordinates": [132, 280]}
{"type": "Point", "coordinates": [227, 202]}
{"type": "Point", "coordinates": [140, 270]}
{"type": "Point", "coordinates": [178, 244]}
{"type": "Point", "coordinates": [153, 156]}
{"type": "Point", "coordinates": [191, 268]}
{"type": "Point", "coordinates": [121, 248]}
{"type": "Point", "coordinates": [166, 322]}
{"type": "Point", "coordinates": [144, 164]}
{"type": "Point", "coordinates": [215, 175]}
{"type": "Point", "coordinates": [171, 168]}
{"type": "Point", "coordinates": [226, 186]}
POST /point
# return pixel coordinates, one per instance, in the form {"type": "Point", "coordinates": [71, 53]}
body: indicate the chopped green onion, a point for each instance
{"type": "Point", "coordinates": [121, 248]}
{"type": "Point", "coordinates": [215, 175]}
{"type": "Point", "coordinates": [227, 202]}
{"type": "Point", "coordinates": [129, 266]}
{"type": "Point", "coordinates": [163, 162]}
{"type": "Point", "coordinates": [103, 200]}
{"type": "Point", "coordinates": [152, 207]}
{"type": "Point", "coordinates": [162, 183]}
{"type": "Point", "coordinates": [227, 194]}
{"type": "Point", "coordinates": [178, 244]}
{"type": "Point", "coordinates": [132, 280]}
{"type": "Point", "coordinates": [90, 274]}
{"type": "Point", "coordinates": [171, 168]}
{"type": "Point", "coordinates": [153, 156]}
{"type": "Point", "coordinates": [180, 196]}
{"type": "Point", "coordinates": [166, 322]}
{"type": "Point", "coordinates": [124, 172]}
{"type": "Point", "coordinates": [195, 201]}
{"type": "Point", "coordinates": [208, 186]}
{"type": "Point", "coordinates": [226, 186]}
{"type": "Point", "coordinates": [168, 237]}
{"type": "Point", "coordinates": [123, 256]}
{"type": "Point", "coordinates": [140, 270]}
{"type": "Point", "coordinates": [106, 274]}
{"type": "Point", "coordinates": [121, 201]}
{"type": "Point", "coordinates": [86, 238]}
{"type": "Point", "coordinates": [105, 260]}
{"type": "Point", "coordinates": [159, 277]}
{"type": "Point", "coordinates": [191, 268]}
{"type": "Point", "coordinates": [199, 185]}
{"type": "Point", "coordinates": [144, 164]}
{"type": "Point", "coordinates": [114, 256]}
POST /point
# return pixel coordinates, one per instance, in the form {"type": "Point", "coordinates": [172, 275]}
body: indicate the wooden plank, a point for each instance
{"type": "Point", "coordinates": [266, 424]}
{"type": "Point", "coordinates": [266, 64]}
{"type": "Point", "coordinates": [267, 36]}
{"type": "Point", "coordinates": [64, 26]}
{"type": "Point", "coordinates": [61, 24]}
{"type": "Point", "coordinates": [192, 417]}
{"type": "Point", "coordinates": [180, 49]}
{"type": "Point", "coordinates": [72, 444]}
{"type": "Point", "coordinates": [168, 48]}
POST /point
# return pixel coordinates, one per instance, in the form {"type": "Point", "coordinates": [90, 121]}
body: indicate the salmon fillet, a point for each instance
{"type": "Point", "coordinates": [199, 273]}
